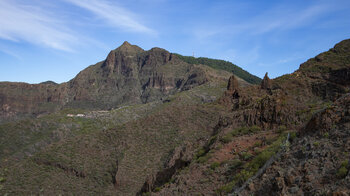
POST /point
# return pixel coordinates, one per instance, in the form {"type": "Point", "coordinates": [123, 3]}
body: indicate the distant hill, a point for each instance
{"type": "Point", "coordinates": [223, 65]}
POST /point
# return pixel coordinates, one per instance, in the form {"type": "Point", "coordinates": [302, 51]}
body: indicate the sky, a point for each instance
{"type": "Point", "coordinates": [54, 40]}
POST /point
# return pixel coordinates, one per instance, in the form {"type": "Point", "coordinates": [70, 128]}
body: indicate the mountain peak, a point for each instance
{"type": "Point", "coordinates": [129, 48]}
{"type": "Point", "coordinates": [126, 43]}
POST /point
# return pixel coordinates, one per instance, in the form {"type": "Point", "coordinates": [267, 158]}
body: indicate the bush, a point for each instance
{"type": "Point", "coordinates": [281, 129]}
{"type": "Point", "coordinates": [203, 159]}
{"type": "Point", "coordinates": [292, 136]}
{"type": "Point", "coordinates": [342, 172]}
{"type": "Point", "coordinates": [326, 135]}
{"type": "Point", "coordinates": [226, 139]}
{"type": "Point", "coordinates": [245, 156]}
{"type": "Point", "coordinates": [214, 165]}
{"type": "Point", "coordinates": [261, 159]}
{"type": "Point", "coordinates": [200, 153]}
{"type": "Point", "coordinates": [245, 130]}
{"type": "Point", "coordinates": [234, 164]}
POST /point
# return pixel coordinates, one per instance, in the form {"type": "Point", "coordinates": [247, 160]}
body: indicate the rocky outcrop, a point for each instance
{"type": "Point", "coordinates": [315, 164]}
{"type": "Point", "coordinates": [232, 84]}
{"type": "Point", "coordinates": [266, 82]}
{"type": "Point", "coordinates": [180, 158]}
{"type": "Point", "coordinates": [232, 94]}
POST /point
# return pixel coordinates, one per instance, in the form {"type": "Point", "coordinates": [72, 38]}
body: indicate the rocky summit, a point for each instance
{"type": "Point", "coordinates": [158, 123]}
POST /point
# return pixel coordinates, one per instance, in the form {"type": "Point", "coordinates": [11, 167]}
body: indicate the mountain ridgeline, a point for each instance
{"type": "Point", "coordinates": [129, 75]}
{"type": "Point", "coordinates": [223, 65]}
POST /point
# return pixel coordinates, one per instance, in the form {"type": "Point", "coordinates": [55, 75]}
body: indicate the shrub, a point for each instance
{"type": "Point", "coordinates": [341, 173]}
{"type": "Point", "coordinates": [203, 159]}
{"type": "Point", "coordinates": [200, 153]}
{"type": "Point", "coordinates": [214, 165]}
{"type": "Point", "coordinates": [292, 136]}
{"type": "Point", "coordinates": [245, 130]}
{"type": "Point", "coordinates": [257, 144]}
{"type": "Point", "coordinates": [226, 139]}
{"type": "Point", "coordinates": [245, 155]}
{"type": "Point", "coordinates": [326, 135]}
{"type": "Point", "coordinates": [234, 164]}
{"type": "Point", "coordinates": [254, 129]}
{"type": "Point", "coordinates": [281, 129]}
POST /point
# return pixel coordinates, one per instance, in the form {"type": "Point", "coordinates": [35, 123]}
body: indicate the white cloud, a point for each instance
{"type": "Point", "coordinates": [20, 22]}
{"type": "Point", "coordinates": [279, 18]}
{"type": "Point", "coordinates": [113, 14]}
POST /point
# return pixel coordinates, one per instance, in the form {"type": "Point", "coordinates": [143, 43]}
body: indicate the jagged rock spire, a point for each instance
{"type": "Point", "coordinates": [266, 83]}
{"type": "Point", "coordinates": [232, 83]}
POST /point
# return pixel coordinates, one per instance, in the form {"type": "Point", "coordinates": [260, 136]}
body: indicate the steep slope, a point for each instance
{"type": "Point", "coordinates": [129, 75]}
{"type": "Point", "coordinates": [103, 152]}
{"type": "Point", "coordinates": [256, 126]}
{"type": "Point", "coordinates": [317, 163]}
{"type": "Point", "coordinates": [223, 65]}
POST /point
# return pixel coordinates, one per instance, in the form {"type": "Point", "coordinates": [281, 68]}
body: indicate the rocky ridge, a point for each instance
{"type": "Point", "coordinates": [129, 75]}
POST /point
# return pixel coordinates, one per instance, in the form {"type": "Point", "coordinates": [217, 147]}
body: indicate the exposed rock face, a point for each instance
{"type": "Point", "coordinates": [312, 164]}
{"type": "Point", "coordinates": [180, 158]}
{"type": "Point", "coordinates": [232, 94]}
{"type": "Point", "coordinates": [266, 83]}
{"type": "Point", "coordinates": [128, 75]}
{"type": "Point", "coordinates": [232, 84]}
{"type": "Point", "coordinates": [284, 100]}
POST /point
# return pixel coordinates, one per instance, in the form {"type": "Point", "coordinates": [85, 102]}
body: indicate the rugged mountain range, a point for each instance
{"type": "Point", "coordinates": [186, 129]}
{"type": "Point", "coordinates": [129, 75]}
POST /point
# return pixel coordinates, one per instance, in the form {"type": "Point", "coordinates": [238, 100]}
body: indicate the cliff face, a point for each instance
{"type": "Point", "coordinates": [129, 75]}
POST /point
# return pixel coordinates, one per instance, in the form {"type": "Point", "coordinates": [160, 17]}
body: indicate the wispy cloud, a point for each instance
{"type": "Point", "coordinates": [19, 22]}
{"type": "Point", "coordinates": [113, 14]}
{"type": "Point", "coordinates": [278, 18]}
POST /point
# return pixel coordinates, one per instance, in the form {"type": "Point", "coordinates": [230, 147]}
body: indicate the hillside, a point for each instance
{"type": "Point", "coordinates": [210, 134]}
{"type": "Point", "coordinates": [276, 137]}
{"type": "Point", "coordinates": [223, 65]}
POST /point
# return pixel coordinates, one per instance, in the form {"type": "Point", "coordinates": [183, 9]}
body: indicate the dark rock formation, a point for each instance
{"type": "Point", "coordinates": [266, 83]}
{"type": "Point", "coordinates": [232, 84]}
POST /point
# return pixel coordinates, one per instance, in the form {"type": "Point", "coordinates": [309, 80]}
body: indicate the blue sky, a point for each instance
{"type": "Point", "coordinates": [54, 40]}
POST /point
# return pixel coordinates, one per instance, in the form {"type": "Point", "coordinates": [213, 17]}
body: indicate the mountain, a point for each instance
{"type": "Point", "coordinates": [287, 136]}
{"type": "Point", "coordinates": [223, 136]}
{"type": "Point", "coordinates": [129, 75]}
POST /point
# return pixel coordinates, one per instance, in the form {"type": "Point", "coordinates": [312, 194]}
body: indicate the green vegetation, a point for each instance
{"type": "Point", "coordinates": [281, 129]}
{"type": "Point", "coordinates": [226, 138]}
{"type": "Point", "coordinates": [245, 156]}
{"type": "Point", "coordinates": [343, 170]}
{"type": "Point", "coordinates": [223, 65]}
{"type": "Point", "coordinates": [239, 131]}
{"type": "Point", "coordinates": [326, 135]}
{"type": "Point", "coordinates": [250, 168]}
{"type": "Point", "coordinates": [245, 130]}
{"type": "Point", "coordinates": [214, 165]}
{"type": "Point", "coordinates": [293, 135]}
